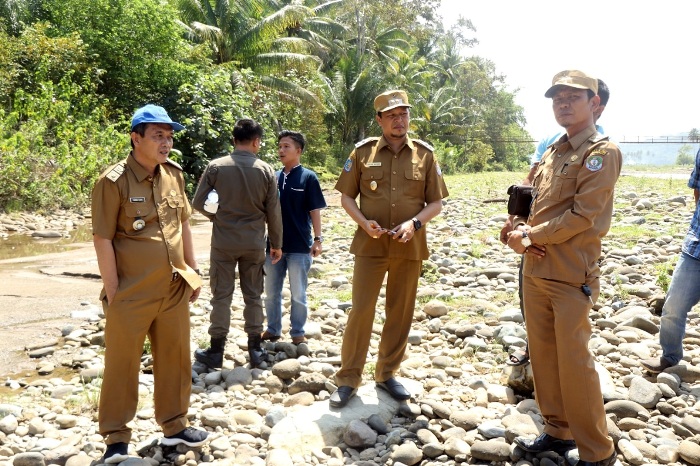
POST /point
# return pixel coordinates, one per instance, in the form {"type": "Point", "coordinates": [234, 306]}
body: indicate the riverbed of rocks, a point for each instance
{"type": "Point", "coordinates": [468, 406]}
{"type": "Point", "coordinates": [57, 224]}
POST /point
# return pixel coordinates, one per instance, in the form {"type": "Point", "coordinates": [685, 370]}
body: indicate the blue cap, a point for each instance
{"type": "Point", "coordinates": [153, 114]}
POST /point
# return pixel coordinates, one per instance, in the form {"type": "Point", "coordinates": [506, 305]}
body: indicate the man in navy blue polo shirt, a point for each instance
{"type": "Point", "coordinates": [301, 200]}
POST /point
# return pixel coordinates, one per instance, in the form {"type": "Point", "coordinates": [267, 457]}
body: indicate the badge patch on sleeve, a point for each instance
{"type": "Point", "coordinates": [437, 169]}
{"type": "Point", "coordinates": [594, 163]}
{"type": "Point", "coordinates": [348, 165]}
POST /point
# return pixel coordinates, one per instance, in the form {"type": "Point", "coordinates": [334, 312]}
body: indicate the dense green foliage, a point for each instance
{"type": "Point", "coordinates": [72, 72]}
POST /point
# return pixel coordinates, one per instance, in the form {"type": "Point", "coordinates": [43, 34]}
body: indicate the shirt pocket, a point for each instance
{"type": "Point", "coordinates": [564, 181]}
{"type": "Point", "coordinates": [135, 214]}
{"type": "Point", "coordinates": [175, 203]}
{"type": "Point", "coordinates": [414, 182]}
{"type": "Point", "coordinates": [371, 180]}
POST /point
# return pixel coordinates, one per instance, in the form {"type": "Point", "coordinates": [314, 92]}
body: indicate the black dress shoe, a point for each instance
{"type": "Point", "coordinates": [395, 389]}
{"type": "Point", "coordinates": [341, 396]}
{"type": "Point", "coordinates": [545, 442]}
{"type": "Point", "coordinates": [116, 453]}
{"type": "Point", "coordinates": [610, 461]}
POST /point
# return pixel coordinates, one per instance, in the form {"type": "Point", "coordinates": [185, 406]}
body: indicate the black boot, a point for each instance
{"type": "Point", "coordinates": [213, 357]}
{"type": "Point", "coordinates": [255, 350]}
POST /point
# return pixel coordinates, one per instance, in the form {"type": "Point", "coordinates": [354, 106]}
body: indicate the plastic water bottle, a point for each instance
{"type": "Point", "coordinates": [211, 205]}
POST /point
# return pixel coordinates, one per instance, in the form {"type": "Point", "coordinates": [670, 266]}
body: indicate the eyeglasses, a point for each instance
{"type": "Point", "coordinates": [396, 116]}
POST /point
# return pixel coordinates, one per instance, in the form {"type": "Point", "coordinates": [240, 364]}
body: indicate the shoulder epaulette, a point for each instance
{"type": "Point", "coordinates": [174, 164]}
{"type": "Point", "coordinates": [366, 140]}
{"type": "Point", "coordinates": [424, 144]}
{"type": "Point", "coordinates": [597, 137]}
{"type": "Point", "coordinates": [116, 171]}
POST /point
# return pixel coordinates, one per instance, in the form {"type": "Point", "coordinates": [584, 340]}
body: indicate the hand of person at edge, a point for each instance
{"type": "Point", "coordinates": [275, 255]}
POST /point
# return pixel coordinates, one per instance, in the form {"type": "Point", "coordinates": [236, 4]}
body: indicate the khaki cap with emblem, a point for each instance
{"type": "Point", "coordinates": [572, 78]}
{"type": "Point", "coordinates": [390, 99]}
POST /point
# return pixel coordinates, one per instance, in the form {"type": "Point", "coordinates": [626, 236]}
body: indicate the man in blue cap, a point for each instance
{"type": "Point", "coordinates": [143, 242]}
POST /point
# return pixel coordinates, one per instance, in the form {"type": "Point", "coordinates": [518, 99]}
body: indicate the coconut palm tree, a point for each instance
{"type": "Point", "coordinates": [252, 34]}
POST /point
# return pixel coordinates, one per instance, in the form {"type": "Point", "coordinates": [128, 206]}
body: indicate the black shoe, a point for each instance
{"type": "Point", "coordinates": [256, 352]}
{"type": "Point", "coordinates": [211, 359]}
{"type": "Point", "coordinates": [545, 442]}
{"type": "Point", "coordinates": [191, 437]}
{"type": "Point", "coordinates": [116, 453]}
{"type": "Point", "coordinates": [341, 396]}
{"type": "Point", "coordinates": [610, 461]}
{"type": "Point", "coordinates": [270, 336]}
{"type": "Point", "coordinates": [395, 389]}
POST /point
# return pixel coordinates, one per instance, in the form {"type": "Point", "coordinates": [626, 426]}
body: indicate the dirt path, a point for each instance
{"type": "Point", "coordinates": [38, 294]}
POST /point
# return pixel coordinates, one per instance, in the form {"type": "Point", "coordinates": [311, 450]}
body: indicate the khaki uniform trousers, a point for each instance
{"type": "Point", "coordinates": [401, 287]}
{"type": "Point", "coordinates": [166, 321]}
{"type": "Point", "coordinates": [567, 387]}
{"type": "Point", "coordinates": [222, 275]}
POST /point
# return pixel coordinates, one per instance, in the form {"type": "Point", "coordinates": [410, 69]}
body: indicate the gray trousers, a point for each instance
{"type": "Point", "coordinates": [222, 275]}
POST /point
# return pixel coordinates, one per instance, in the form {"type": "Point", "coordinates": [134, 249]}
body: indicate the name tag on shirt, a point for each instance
{"type": "Point", "coordinates": [137, 199]}
{"type": "Point", "coordinates": [373, 164]}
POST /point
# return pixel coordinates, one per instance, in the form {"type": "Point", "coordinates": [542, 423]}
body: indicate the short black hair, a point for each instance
{"type": "Point", "coordinates": [139, 129]}
{"type": "Point", "coordinates": [298, 138]}
{"type": "Point", "coordinates": [247, 130]}
{"type": "Point", "coordinates": [603, 92]}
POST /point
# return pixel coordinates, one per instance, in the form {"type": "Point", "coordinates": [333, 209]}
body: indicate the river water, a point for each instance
{"type": "Point", "coordinates": [24, 245]}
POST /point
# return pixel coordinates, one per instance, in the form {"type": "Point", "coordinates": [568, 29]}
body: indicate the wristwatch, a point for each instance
{"type": "Point", "coordinates": [526, 241]}
{"type": "Point", "coordinates": [318, 238]}
{"type": "Point", "coordinates": [416, 223]}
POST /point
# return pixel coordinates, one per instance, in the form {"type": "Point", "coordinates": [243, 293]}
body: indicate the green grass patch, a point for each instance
{"type": "Point", "coordinates": [663, 273]}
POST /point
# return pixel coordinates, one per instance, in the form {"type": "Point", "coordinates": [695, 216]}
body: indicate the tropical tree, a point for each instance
{"type": "Point", "coordinates": [685, 155]}
{"type": "Point", "coordinates": [251, 34]}
{"type": "Point", "coordinates": [351, 92]}
{"type": "Point", "coordinates": [325, 35]}
{"type": "Point", "coordinates": [137, 43]}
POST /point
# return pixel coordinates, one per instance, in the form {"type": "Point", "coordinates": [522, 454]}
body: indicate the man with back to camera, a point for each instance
{"type": "Point", "coordinates": [521, 357]}
{"type": "Point", "coordinates": [247, 201]}
{"type": "Point", "coordinates": [301, 199]}
{"type": "Point", "coordinates": [570, 213]}
{"type": "Point", "coordinates": [401, 189]}
{"type": "Point", "coordinates": [143, 242]}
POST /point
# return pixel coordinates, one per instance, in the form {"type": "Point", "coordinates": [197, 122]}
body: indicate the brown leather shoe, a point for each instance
{"type": "Point", "coordinates": [269, 336]}
{"type": "Point", "coordinates": [656, 365]}
{"type": "Point", "coordinates": [299, 339]}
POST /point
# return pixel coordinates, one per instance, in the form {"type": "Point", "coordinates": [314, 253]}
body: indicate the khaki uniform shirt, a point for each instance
{"type": "Point", "coordinates": [248, 200]}
{"type": "Point", "coordinates": [572, 206]}
{"type": "Point", "coordinates": [124, 195]}
{"type": "Point", "coordinates": [393, 188]}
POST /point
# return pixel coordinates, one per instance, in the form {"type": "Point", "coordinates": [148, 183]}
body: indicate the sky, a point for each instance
{"type": "Point", "coordinates": [646, 51]}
